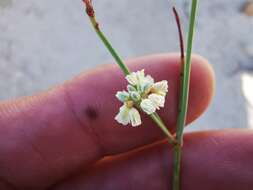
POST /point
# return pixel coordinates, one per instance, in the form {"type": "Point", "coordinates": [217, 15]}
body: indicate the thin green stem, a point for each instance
{"type": "Point", "coordinates": [156, 118]}
{"type": "Point", "coordinates": [108, 45]}
{"type": "Point", "coordinates": [187, 71]}
{"type": "Point", "coordinates": [177, 151]}
{"type": "Point", "coordinates": [184, 96]}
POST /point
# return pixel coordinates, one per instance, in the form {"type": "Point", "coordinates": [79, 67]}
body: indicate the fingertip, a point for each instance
{"type": "Point", "coordinates": [204, 66]}
{"type": "Point", "coordinates": [202, 86]}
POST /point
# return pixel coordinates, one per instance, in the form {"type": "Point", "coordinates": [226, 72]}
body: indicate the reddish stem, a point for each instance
{"type": "Point", "coordinates": [180, 33]}
{"type": "Point", "coordinates": [89, 8]}
{"type": "Point", "coordinates": [182, 61]}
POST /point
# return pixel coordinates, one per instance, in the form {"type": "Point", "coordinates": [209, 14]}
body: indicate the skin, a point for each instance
{"type": "Point", "coordinates": [67, 138]}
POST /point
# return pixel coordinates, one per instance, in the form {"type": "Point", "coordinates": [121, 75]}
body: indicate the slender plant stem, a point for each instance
{"type": "Point", "coordinates": [187, 71]}
{"type": "Point", "coordinates": [108, 45]}
{"type": "Point", "coordinates": [91, 13]}
{"type": "Point", "coordinates": [184, 99]}
{"type": "Point", "coordinates": [182, 58]}
{"type": "Point", "coordinates": [182, 55]}
{"type": "Point", "coordinates": [177, 153]}
{"type": "Point", "coordinates": [177, 148]}
{"type": "Point", "coordinates": [181, 39]}
{"type": "Point", "coordinates": [156, 118]}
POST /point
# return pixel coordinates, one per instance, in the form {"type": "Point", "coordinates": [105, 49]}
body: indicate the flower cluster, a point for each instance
{"type": "Point", "coordinates": [143, 93]}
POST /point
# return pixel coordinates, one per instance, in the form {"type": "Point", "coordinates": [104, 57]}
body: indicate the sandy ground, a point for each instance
{"type": "Point", "coordinates": [43, 43]}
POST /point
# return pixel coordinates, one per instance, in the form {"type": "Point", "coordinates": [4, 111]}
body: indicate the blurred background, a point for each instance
{"type": "Point", "coordinates": [43, 43]}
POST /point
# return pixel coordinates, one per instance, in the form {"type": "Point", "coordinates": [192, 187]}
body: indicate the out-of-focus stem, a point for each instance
{"type": "Point", "coordinates": [184, 96]}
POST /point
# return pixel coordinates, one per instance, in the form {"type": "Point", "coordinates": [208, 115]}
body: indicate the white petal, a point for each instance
{"type": "Point", "coordinates": [161, 87]}
{"type": "Point", "coordinates": [140, 75]}
{"type": "Point", "coordinates": [149, 79]}
{"type": "Point", "coordinates": [136, 78]}
{"type": "Point", "coordinates": [157, 100]}
{"type": "Point", "coordinates": [135, 117]}
{"type": "Point", "coordinates": [135, 96]}
{"type": "Point", "coordinates": [122, 96]}
{"type": "Point", "coordinates": [147, 106]}
{"type": "Point", "coordinates": [146, 83]}
{"type": "Point", "coordinates": [144, 87]}
{"type": "Point", "coordinates": [123, 116]}
{"type": "Point", "coordinates": [131, 88]}
{"type": "Point", "coordinates": [132, 79]}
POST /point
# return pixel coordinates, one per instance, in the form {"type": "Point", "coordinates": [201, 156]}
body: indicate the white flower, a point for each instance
{"type": "Point", "coordinates": [146, 84]}
{"type": "Point", "coordinates": [128, 115]}
{"type": "Point", "coordinates": [123, 115]}
{"type": "Point", "coordinates": [135, 96]}
{"type": "Point", "coordinates": [152, 103]}
{"type": "Point", "coordinates": [147, 106]}
{"type": "Point", "coordinates": [134, 117]}
{"type": "Point", "coordinates": [135, 78]}
{"type": "Point", "coordinates": [157, 100]}
{"type": "Point", "coordinates": [122, 96]}
{"type": "Point", "coordinates": [142, 92]}
{"type": "Point", "coordinates": [160, 88]}
{"type": "Point", "coordinates": [149, 79]}
{"type": "Point", "coordinates": [131, 88]}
